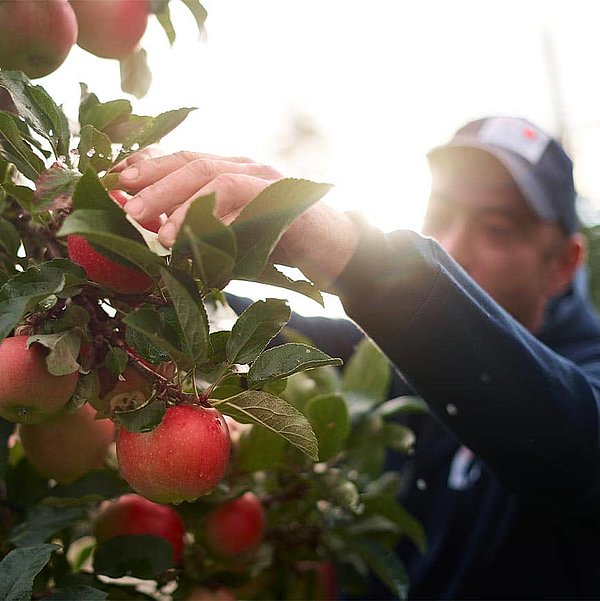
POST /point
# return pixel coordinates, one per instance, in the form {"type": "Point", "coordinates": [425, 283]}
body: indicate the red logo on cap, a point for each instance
{"type": "Point", "coordinates": [529, 133]}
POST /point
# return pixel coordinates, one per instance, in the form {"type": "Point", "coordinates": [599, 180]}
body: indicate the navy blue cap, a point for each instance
{"type": "Point", "coordinates": [537, 162]}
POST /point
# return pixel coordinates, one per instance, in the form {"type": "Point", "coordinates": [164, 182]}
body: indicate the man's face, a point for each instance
{"type": "Point", "coordinates": [480, 218]}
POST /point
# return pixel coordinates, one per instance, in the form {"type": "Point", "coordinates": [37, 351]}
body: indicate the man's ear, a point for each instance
{"type": "Point", "coordinates": [571, 255]}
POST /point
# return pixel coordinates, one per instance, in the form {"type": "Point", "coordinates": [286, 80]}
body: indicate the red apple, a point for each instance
{"type": "Point", "coordinates": [29, 393]}
{"type": "Point", "coordinates": [68, 445]}
{"type": "Point", "coordinates": [111, 28]}
{"type": "Point", "coordinates": [104, 271]}
{"type": "Point", "coordinates": [184, 457]}
{"type": "Point", "coordinates": [133, 514]}
{"type": "Point", "coordinates": [236, 527]}
{"type": "Point", "coordinates": [36, 35]}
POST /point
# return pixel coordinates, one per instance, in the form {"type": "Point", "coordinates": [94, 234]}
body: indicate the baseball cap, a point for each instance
{"type": "Point", "coordinates": [537, 162]}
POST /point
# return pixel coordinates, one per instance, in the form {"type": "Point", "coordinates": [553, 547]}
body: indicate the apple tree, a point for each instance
{"type": "Point", "coordinates": [153, 444]}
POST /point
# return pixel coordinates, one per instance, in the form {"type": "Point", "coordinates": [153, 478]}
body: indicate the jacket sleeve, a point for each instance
{"type": "Point", "coordinates": [528, 412]}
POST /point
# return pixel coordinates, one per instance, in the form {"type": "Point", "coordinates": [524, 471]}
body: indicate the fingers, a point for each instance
{"type": "Point", "coordinates": [164, 183]}
{"type": "Point", "coordinates": [233, 191]}
{"type": "Point", "coordinates": [148, 152]}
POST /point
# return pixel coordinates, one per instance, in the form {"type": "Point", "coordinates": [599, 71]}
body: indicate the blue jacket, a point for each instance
{"type": "Point", "coordinates": [506, 474]}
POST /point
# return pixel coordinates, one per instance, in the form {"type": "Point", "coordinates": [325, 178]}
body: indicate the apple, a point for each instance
{"type": "Point", "coordinates": [236, 527]}
{"type": "Point", "coordinates": [134, 514]}
{"type": "Point", "coordinates": [36, 35]}
{"type": "Point", "coordinates": [68, 445]}
{"type": "Point", "coordinates": [111, 28]}
{"type": "Point", "coordinates": [324, 577]}
{"type": "Point", "coordinates": [184, 457]}
{"type": "Point", "coordinates": [104, 271]}
{"type": "Point", "coordinates": [29, 393]}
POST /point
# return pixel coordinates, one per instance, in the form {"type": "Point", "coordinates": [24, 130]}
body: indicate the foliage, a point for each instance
{"type": "Point", "coordinates": [308, 438]}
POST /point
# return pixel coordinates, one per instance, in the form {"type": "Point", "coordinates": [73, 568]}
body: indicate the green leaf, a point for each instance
{"type": "Point", "coordinates": [199, 13]}
{"type": "Point", "coordinates": [22, 194]}
{"type": "Point", "coordinates": [255, 328]}
{"type": "Point", "coordinates": [140, 556]}
{"type": "Point", "coordinates": [94, 486]}
{"type": "Point", "coordinates": [144, 348]}
{"type": "Point", "coordinates": [16, 150]}
{"type": "Point", "coordinates": [101, 115]}
{"type": "Point", "coordinates": [9, 237]}
{"type": "Point", "coordinates": [263, 221]}
{"type": "Point", "coordinates": [94, 150]}
{"type": "Point", "coordinates": [192, 318]}
{"type": "Point", "coordinates": [261, 449]}
{"type": "Point", "coordinates": [275, 414]}
{"type": "Point", "coordinates": [55, 184]}
{"type": "Point", "coordinates": [209, 242]}
{"type": "Point", "coordinates": [25, 289]}
{"type": "Point", "coordinates": [153, 325]}
{"type": "Point", "coordinates": [19, 568]}
{"type": "Point", "coordinates": [285, 360]}
{"type": "Point", "coordinates": [136, 76]}
{"type": "Point", "coordinates": [402, 404]}
{"type": "Point", "coordinates": [384, 563]}
{"type": "Point", "coordinates": [399, 438]}
{"type": "Point", "coordinates": [152, 130]}
{"type": "Point", "coordinates": [64, 350]}
{"type": "Point", "coordinates": [42, 522]}
{"type": "Point", "coordinates": [78, 592]}
{"type": "Point", "coordinates": [38, 109]}
{"type": "Point", "coordinates": [116, 360]}
{"type": "Point", "coordinates": [273, 277]}
{"type": "Point", "coordinates": [328, 417]}
{"type": "Point", "coordinates": [144, 418]}
{"type": "Point", "coordinates": [367, 374]}
{"type": "Point", "coordinates": [164, 19]}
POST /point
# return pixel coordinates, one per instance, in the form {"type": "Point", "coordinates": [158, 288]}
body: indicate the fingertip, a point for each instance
{"type": "Point", "coordinates": [167, 234]}
{"type": "Point", "coordinates": [129, 175]}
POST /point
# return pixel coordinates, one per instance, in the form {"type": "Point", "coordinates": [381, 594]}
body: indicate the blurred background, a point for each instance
{"type": "Point", "coordinates": [355, 93]}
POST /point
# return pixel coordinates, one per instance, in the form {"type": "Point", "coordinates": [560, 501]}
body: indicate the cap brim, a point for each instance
{"type": "Point", "coordinates": [529, 186]}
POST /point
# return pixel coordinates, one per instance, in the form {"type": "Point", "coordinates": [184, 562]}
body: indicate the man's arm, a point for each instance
{"type": "Point", "coordinates": [530, 413]}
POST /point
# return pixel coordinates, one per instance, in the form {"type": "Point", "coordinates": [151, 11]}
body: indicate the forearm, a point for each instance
{"type": "Point", "coordinates": [529, 413]}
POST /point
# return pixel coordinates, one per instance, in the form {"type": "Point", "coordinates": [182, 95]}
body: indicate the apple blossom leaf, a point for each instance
{"type": "Point", "coordinates": [9, 237]}
{"type": "Point", "coordinates": [78, 592]}
{"type": "Point", "coordinates": [209, 242]}
{"type": "Point", "coordinates": [284, 360]}
{"type": "Point", "coordinates": [273, 277]}
{"type": "Point", "coordinates": [55, 186]}
{"type": "Point", "coordinates": [366, 378]}
{"type": "Point", "coordinates": [95, 485]}
{"type": "Point", "coordinates": [144, 418]}
{"type": "Point", "coordinates": [191, 316]}
{"type": "Point", "coordinates": [275, 414]}
{"type": "Point", "coordinates": [255, 328]}
{"type": "Point", "coordinates": [87, 389]}
{"type": "Point", "coordinates": [399, 438]}
{"type": "Point", "coordinates": [261, 449]}
{"type": "Point", "coordinates": [199, 12]}
{"type": "Point", "coordinates": [42, 522]}
{"type": "Point", "coordinates": [263, 221]}
{"type": "Point", "coordinates": [144, 348]}
{"type": "Point", "coordinates": [137, 555]}
{"type": "Point", "coordinates": [102, 115]}
{"type": "Point", "coordinates": [94, 149]}
{"type": "Point", "coordinates": [22, 194]}
{"type": "Point", "coordinates": [152, 130]}
{"type": "Point", "coordinates": [19, 568]}
{"type": "Point", "coordinates": [116, 360]}
{"type": "Point", "coordinates": [164, 19]}
{"type": "Point", "coordinates": [64, 350]}
{"type": "Point", "coordinates": [328, 416]}
{"type": "Point", "coordinates": [22, 291]}
{"type": "Point", "coordinates": [136, 76]}
{"type": "Point", "coordinates": [402, 404]}
{"type": "Point", "coordinates": [384, 563]}
{"type": "Point", "coordinates": [39, 111]}
{"type": "Point", "coordinates": [15, 150]}
{"type": "Point", "coordinates": [155, 327]}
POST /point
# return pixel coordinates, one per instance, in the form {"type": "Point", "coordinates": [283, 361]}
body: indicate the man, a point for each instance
{"type": "Point", "coordinates": [483, 321]}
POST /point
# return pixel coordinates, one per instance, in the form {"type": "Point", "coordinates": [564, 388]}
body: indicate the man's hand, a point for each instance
{"type": "Point", "coordinates": [320, 242]}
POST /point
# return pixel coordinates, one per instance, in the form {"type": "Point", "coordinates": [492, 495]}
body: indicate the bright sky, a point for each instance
{"type": "Point", "coordinates": [374, 84]}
